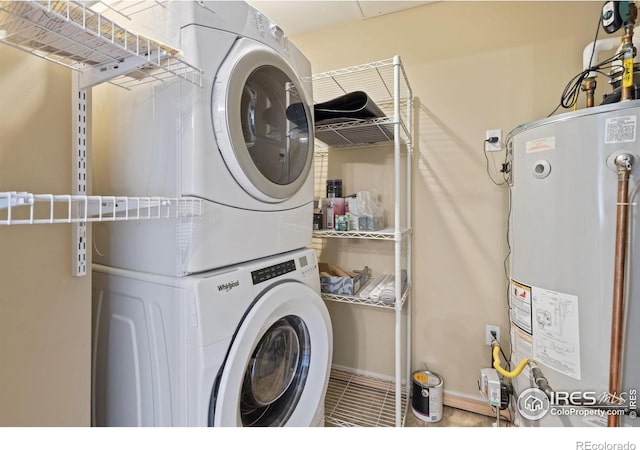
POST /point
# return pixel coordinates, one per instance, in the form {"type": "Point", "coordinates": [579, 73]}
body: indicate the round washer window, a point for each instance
{"type": "Point", "coordinates": [276, 374]}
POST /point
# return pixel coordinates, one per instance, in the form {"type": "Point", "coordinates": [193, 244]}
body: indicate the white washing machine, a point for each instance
{"type": "Point", "coordinates": [228, 142]}
{"type": "Point", "coordinates": [249, 345]}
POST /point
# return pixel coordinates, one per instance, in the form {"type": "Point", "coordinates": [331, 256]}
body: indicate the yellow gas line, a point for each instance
{"type": "Point", "coordinates": [496, 364]}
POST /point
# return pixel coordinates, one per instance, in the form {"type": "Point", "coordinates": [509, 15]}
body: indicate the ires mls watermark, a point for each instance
{"type": "Point", "coordinates": [534, 404]}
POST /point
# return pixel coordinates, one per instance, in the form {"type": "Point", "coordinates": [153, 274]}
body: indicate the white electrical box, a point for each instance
{"type": "Point", "coordinates": [489, 385]}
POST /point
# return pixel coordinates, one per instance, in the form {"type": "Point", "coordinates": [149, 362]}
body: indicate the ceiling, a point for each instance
{"type": "Point", "coordinates": [302, 15]}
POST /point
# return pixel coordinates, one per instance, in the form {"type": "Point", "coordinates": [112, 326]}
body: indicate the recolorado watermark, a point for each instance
{"type": "Point", "coordinates": [534, 404]}
{"type": "Point", "coordinates": [591, 445]}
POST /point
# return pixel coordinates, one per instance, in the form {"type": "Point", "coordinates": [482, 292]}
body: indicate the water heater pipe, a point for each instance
{"type": "Point", "coordinates": [540, 380]}
{"type": "Point", "coordinates": [589, 87]}
{"type": "Point", "coordinates": [591, 55]}
{"type": "Point", "coordinates": [595, 48]}
{"type": "Point", "coordinates": [629, 55]}
{"type": "Point", "coordinates": [623, 163]}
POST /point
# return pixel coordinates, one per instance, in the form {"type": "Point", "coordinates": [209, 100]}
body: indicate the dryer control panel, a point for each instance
{"type": "Point", "coordinates": [268, 32]}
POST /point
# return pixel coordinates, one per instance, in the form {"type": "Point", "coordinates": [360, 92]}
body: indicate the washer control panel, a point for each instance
{"type": "Point", "coordinates": [308, 266]}
{"type": "Point", "coordinates": [267, 273]}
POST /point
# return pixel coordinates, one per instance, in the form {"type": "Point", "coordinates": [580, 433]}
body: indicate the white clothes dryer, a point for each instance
{"type": "Point", "coordinates": [228, 142]}
{"type": "Point", "coordinates": [249, 345]}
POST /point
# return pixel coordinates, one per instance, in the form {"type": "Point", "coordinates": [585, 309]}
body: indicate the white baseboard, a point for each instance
{"type": "Point", "coordinates": [365, 373]}
{"type": "Point", "coordinates": [472, 404]}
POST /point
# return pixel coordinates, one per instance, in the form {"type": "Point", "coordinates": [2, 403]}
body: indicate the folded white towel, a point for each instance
{"type": "Point", "coordinates": [375, 294]}
{"type": "Point", "coordinates": [388, 290]}
{"type": "Point", "coordinates": [382, 288]}
{"type": "Point", "coordinates": [388, 293]}
{"type": "Point", "coordinates": [366, 291]}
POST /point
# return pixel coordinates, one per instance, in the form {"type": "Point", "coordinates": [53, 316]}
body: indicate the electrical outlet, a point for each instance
{"type": "Point", "coordinates": [495, 146]}
{"type": "Point", "coordinates": [487, 333]}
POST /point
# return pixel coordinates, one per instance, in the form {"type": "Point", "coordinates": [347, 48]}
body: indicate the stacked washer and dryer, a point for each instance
{"type": "Point", "coordinates": [214, 320]}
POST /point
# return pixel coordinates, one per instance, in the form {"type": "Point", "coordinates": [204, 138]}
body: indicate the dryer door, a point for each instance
{"type": "Point", "coordinates": [277, 368]}
{"type": "Point", "coordinates": [262, 122]}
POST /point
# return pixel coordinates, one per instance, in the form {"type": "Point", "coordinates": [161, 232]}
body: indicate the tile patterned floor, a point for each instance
{"type": "Point", "coordinates": [452, 417]}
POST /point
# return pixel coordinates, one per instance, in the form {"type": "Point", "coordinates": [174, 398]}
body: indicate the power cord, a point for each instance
{"type": "Point", "coordinates": [491, 140]}
{"type": "Point", "coordinates": [569, 97]}
{"type": "Point", "coordinates": [505, 169]}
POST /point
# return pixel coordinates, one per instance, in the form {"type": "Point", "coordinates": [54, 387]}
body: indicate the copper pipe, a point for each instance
{"type": "Point", "coordinates": [589, 87]}
{"type": "Point", "coordinates": [623, 164]}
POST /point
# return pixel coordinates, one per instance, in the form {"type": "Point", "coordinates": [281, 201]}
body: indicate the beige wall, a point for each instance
{"type": "Point", "coordinates": [473, 66]}
{"type": "Point", "coordinates": [45, 313]}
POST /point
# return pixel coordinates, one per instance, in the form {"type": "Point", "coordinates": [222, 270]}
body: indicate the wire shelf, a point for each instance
{"type": "Point", "coordinates": [376, 76]}
{"type": "Point", "coordinates": [356, 300]}
{"type": "Point", "coordinates": [387, 234]}
{"type": "Point", "coordinates": [73, 35]}
{"type": "Point", "coordinates": [355, 400]}
{"type": "Point", "coordinates": [357, 132]}
{"type": "Point", "coordinates": [23, 208]}
{"type": "Point", "coordinates": [377, 80]}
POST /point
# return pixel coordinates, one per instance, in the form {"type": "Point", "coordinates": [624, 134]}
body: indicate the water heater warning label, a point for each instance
{"type": "Point", "coordinates": [620, 129]}
{"type": "Point", "coordinates": [556, 337]}
{"type": "Point", "coordinates": [520, 302]}
{"type": "Point", "coordinates": [541, 145]}
{"type": "Point", "coordinates": [545, 327]}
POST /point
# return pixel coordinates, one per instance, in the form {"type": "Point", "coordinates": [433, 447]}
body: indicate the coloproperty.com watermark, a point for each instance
{"type": "Point", "coordinates": [534, 404]}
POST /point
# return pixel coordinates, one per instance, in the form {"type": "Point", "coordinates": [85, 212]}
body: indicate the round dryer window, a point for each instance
{"type": "Point", "coordinates": [262, 121]}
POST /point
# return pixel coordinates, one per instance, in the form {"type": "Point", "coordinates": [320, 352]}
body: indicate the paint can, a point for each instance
{"type": "Point", "coordinates": [426, 395]}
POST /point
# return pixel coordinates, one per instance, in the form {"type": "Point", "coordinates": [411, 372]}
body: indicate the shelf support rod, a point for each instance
{"type": "Point", "coordinates": [80, 120]}
{"type": "Point", "coordinates": [408, 225]}
{"type": "Point", "coordinates": [398, 239]}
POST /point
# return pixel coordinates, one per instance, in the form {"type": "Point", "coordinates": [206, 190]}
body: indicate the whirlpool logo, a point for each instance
{"type": "Point", "coordinates": [228, 286]}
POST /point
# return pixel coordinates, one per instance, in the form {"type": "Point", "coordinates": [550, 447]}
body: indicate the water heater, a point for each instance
{"type": "Point", "coordinates": [564, 187]}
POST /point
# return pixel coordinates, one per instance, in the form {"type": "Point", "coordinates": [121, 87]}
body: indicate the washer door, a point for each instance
{"type": "Point", "coordinates": [277, 368]}
{"type": "Point", "coordinates": [262, 122]}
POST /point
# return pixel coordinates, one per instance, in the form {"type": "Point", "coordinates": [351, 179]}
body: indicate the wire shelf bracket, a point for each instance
{"type": "Point", "coordinates": [81, 119]}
